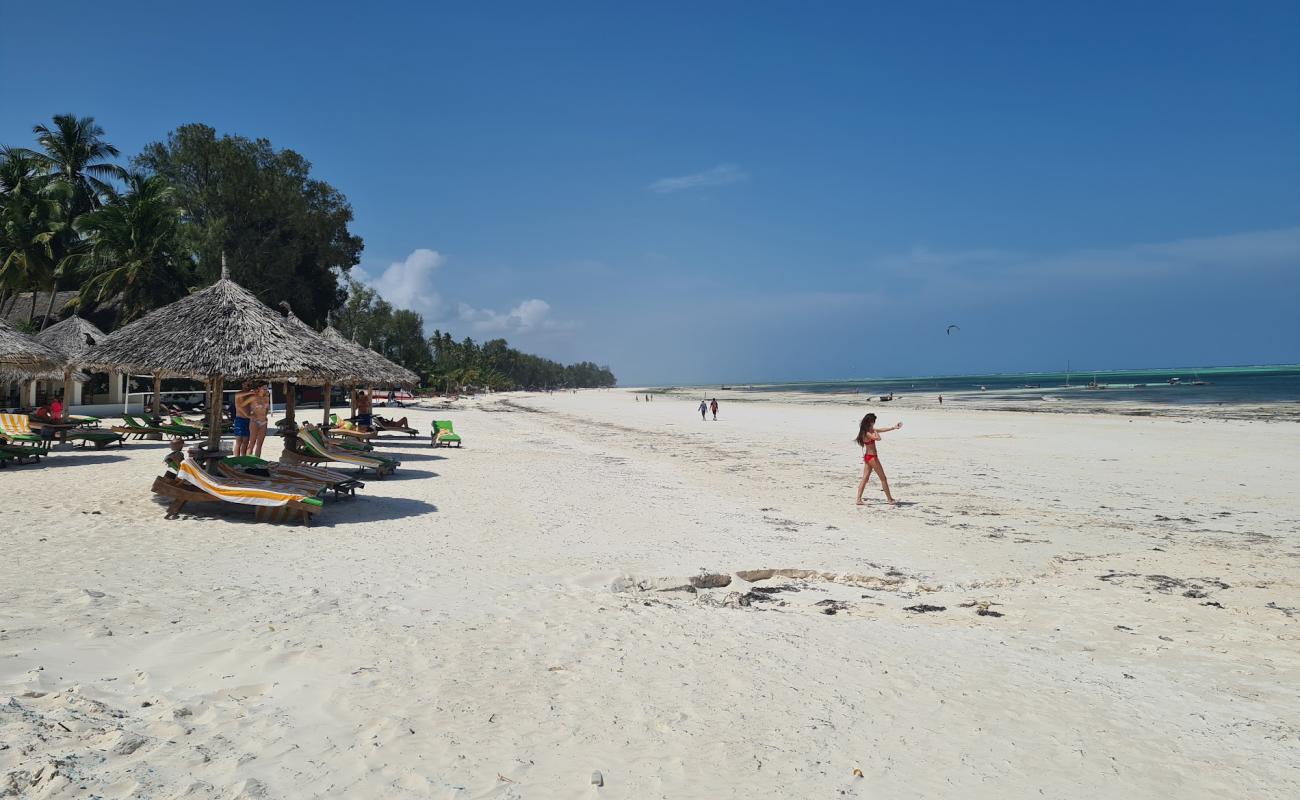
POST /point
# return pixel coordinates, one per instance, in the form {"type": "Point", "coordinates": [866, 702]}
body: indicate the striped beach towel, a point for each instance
{"type": "Point", "coordinates": [18, 428]}
{"type": "Point", "coordinates": [245, 491]}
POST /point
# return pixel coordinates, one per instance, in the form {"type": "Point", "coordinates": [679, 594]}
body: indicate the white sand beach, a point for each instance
{"type": "Point", "coordinates": [1062, 606]}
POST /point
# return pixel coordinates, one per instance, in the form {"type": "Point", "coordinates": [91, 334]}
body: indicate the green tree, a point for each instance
{"type": "Point", "coordinates": [285, 233]}
{"type": "Point", "coordinates": [30, 219]}
{"type": "Point", "coordinates": [73, 152]}
{"type": "Point", "coordinates": [75, 157]}
{"type": "Point", "coordinates": [135, 250]}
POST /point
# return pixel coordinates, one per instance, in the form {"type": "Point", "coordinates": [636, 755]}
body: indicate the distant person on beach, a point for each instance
{"type": "Point", "coordinates": [868, 435]}
{"type": "Point", "coordinates": [714, 408]}
{"type": "Point", "coordinates": [704, 410]}
{"type": "Point", "coordinates": [242, 412]}
{"type": "Point", "coordinates": [940, 399]}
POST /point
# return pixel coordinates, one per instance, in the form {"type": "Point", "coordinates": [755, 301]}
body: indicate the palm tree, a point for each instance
{"type": "Point", "coordinates": [136, 249]}
{"type": "Point", "coordinates": [30, 219]}
{"type": "Point", "coordinates": [75, 157]}
{"type": "Point", "coordinates": [75, 153]}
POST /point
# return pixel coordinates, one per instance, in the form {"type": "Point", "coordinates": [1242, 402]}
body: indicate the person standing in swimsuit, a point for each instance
{"type": "Point", "coordinates": [714, 408]}
{"type": "Point", "coordinates": [363, 416]}
{"type": "Point", "coordinates": [259, 407]}
{"type": "Point", "coordinates": [868, 435]}
{"type": "Point", "coordinates": [242, 412]}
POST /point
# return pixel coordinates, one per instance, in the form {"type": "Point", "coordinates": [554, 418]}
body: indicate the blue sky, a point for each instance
{"type": "Point", "coordinates": [745, 191]}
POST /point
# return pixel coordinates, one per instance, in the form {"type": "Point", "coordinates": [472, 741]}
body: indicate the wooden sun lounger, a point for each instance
{"type": "Point", "coordinates": [192, 484]}
{"type": "Point", "coordinates": [313, 448]}
{"type": "Point", "coordinates": [382, 426]}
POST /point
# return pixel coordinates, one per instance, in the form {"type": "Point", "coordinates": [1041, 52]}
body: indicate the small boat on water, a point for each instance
{"type": "Point", "coordinates": [1094, 385]}
{"type": "Point", "coordinates": [1175, 381]}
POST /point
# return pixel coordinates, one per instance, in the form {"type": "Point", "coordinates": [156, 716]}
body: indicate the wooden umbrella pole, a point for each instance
{"type": "Point", "coordinates": [157, 394]}
{"type": "Point", "coordinates": [67, 392]}
{"type": "Point", "coordinates": [325, 402]}
{"type": "Point", "coordinates": [214, 415]}
{"type": "Point", "coordinates": [289, 400]}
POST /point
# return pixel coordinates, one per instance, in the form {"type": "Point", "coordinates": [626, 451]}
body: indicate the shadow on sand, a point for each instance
{"type": "Point", "coordinates": [71, 458]}
{"type": "Point", "coordinates": [361, 508]}
{"type": "Point", "coordinates": [406, 457]}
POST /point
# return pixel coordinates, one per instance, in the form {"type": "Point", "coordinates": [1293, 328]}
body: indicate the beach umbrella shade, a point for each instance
{"type": "Point", "coordinates": [72, 338]}
{"type": "Point", "coordinates": [385, 372]}
{"type": "Point", "coordinates": [217, 334]}
{"type": "Point", "coordinates": [24, 356]}
{"type": "Point", "coordinates": [355, 368]}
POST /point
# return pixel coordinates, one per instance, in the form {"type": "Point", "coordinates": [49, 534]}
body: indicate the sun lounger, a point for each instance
{"type": "Point", "coordinates": [99, 438]}
{"type": "Point", "coordinates": [16, 433]}
{"type": "Point", "coordinates": [192, 484]}
{"type": "Point", "coordinates": [337, 429]}
{"type": "Point", "coordinates": [239, 472]}
{"type": "Point", "coordinates": [68, 431]}
{"type": "Point", "coordinates": [313, 448]}
{"type": "Point", "coordinates": [21, 455]}
{"type": "Point", "coordinates": [17, 428]}
{"type": "Point", "coordinates": [381, 425]}
{"type": "Point", "coordinates": [319, 477]}
{"type": "Point", "coordinates": [133, 427]}
{"type": "Point", "coordinates": [444, 434]}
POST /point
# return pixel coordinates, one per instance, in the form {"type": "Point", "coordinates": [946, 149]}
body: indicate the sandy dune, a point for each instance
{"type": "Point", "coordinates": [492, 622]}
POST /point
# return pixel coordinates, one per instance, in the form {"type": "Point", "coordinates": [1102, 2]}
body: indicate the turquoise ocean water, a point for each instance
{"type": "Point", "coordinates": [1210, 385]}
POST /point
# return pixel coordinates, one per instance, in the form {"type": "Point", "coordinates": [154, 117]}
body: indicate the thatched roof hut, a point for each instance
{"type": "Point", "coordinates": [389, 374]}
{"type": "Point", "coordinates": [72, 337]}
{"type": "Point", "coordinates": [222, 330]}
{"type": "Point", "coordinates": [24, 356]}
{"type": "Point", "coordinates": [360, 371]}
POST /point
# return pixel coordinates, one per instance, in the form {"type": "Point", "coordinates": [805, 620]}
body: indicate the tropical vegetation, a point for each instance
{"type": "Point", "coordinates": [135, 239]}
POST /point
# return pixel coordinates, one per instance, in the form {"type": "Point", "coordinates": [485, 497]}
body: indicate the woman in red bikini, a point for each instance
{"type": "Point", "coordinates": [868, 435]}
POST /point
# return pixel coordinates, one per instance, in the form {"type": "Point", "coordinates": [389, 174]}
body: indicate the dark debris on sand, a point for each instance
{"type": "Point", "coordinates": [832, 606]}
{"type": "Point", "coordinates": [924, 608]}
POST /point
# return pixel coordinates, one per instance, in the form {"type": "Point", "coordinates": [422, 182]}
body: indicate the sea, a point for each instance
{"type": "Point", "coordinates": [1187, 386]}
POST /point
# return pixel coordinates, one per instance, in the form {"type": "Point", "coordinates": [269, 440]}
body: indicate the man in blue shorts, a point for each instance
{"type": "Point", "coordinates": [242, 413]}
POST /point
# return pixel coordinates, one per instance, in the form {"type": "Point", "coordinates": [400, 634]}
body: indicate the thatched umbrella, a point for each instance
{"type": "Point", "coordinates": [356, 371]}
{"type": "Point", "coordinates": [219, 333]}
{"type": "Point", "coordinates": [23, 355]}
{"type": "Point", "coordinates": [72, 338]}
{"type": "Point", "coordinates": [385, 372]}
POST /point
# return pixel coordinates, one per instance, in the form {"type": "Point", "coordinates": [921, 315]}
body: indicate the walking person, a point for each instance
{"type": "Point", "coordinates": [867, 437]}
{"type": "Point", "coordinates": [704, 410]}
{"type": "Point", "coordinates": [714, 408]}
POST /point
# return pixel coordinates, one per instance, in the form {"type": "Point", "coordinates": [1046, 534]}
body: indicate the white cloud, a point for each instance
{"type": "Point", "coordinates": [530, 315]}
{"type": "Point", "coordinates": [409, 283]}
{"type": "Point", "coordinates": [716, 176]}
